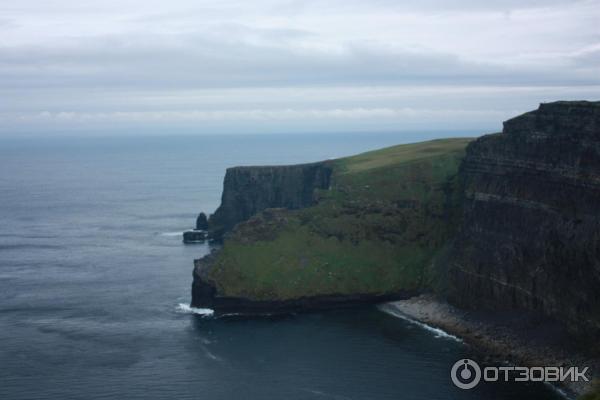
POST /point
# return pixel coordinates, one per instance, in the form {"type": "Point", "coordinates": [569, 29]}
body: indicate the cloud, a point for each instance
{"type": "Point", "coordinates": [249, 115]}
{"type": "Point", "coordinates": [197, 61]}
{"type": "Point", "coordinates": [254, 120]}
{"type": "Point", "coordinates": [262, 110]}
{"type": "Point", "coordinates": [138, 62]}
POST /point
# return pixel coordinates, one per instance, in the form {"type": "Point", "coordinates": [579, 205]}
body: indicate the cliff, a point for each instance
{"type": "Point", "coordinates": [530, 236]}
{"type": "Point", "coordinates": [512, 224]}
{"type": "Point", "coordinates": [362, 228]}
{"type": "Point", "coordinates": [249, 190]}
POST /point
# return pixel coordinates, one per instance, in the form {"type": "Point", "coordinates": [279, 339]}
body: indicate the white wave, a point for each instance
{"type": "Point", "coordinates": [437, 332]}
{"type": "Point", "coordinates": [212, 356]}
{"type": "Point", "coordinates": [559, 391]}
{"type": "Point", "coordinates": [170, 234]}
{"type": "Point", "coordinates": [324, 394]}
{"type": "Point", "coordinates": [184, 308]}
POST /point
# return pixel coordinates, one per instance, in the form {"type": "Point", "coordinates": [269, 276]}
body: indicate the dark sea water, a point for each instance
{"type": "Point", "coordinates": [93, 272]}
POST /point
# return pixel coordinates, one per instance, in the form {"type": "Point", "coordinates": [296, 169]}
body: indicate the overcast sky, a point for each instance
{"type": "Point", "coordinates": [193, 66]}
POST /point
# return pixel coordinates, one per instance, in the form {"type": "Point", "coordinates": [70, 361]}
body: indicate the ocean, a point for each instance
{"type": "Point", "coordinates": [95, 283]}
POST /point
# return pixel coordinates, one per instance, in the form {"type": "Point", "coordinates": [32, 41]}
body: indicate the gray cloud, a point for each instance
{"type": "Point", "coordinates": [297, 6]}
{"type": "Point", "coordinates": [195, 61]}
{"type": "Point", "coordinates": [239, 65]}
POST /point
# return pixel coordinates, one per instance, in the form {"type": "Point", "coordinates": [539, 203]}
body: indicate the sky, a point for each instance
{"type": "Point", "coordinates": [193, 66]}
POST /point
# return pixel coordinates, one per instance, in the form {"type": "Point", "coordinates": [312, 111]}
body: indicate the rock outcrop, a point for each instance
{"type": "Point", "coordinates": [530, 236]}
{"type": "Point", "coordinates": [202, 222]}
{"type": "Point", "coordinates": [249, 190]}
{"type": "Point", "coordinates": [195, 236]}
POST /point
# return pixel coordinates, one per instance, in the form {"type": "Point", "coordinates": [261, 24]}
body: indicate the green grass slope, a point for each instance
{"type": "Point", "coordinates": [379, 229]}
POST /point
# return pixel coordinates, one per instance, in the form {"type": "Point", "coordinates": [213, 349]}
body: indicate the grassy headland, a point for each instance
{"type": "Point", "coordinates": [379, 229]}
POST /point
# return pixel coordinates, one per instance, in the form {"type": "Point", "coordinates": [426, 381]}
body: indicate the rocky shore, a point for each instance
{"type": "Point", "coordinates": [516, 338]}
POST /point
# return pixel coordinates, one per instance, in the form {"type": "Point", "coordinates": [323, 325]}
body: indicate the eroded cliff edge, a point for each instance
{"type": "Point", "coordinates": [249, 190]}
{"type": "Point", "coordinates": [530, 236]}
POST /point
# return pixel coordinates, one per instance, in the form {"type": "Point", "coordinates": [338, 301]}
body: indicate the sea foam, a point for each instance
{"type": "Point", "coordinates": [184, 308]}
{"type": "Point", "coordinates": [171, 234]}
{"type": "Point", "coordinates": [438, 333]}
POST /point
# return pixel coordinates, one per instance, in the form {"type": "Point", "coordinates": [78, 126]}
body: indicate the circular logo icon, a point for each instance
{"type": "Point", "coordinates": [465, 374]}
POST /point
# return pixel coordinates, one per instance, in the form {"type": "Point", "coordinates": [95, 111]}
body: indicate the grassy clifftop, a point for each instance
{"type": "Point", "coordinates": [378, 229]}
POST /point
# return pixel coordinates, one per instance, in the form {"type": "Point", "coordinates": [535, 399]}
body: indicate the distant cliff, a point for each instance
{"type": "Point", "coordinates": [249, 190]}
{"type": "Point", "coordinates": [530, 237]}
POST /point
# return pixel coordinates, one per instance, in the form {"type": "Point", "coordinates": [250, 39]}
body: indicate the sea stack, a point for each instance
{"type": "Point", "coordinates": [200, 234]}
{"type": "Point", "coordinates": [201, 222]}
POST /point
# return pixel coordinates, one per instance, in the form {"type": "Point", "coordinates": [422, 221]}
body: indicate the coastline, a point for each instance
{"type": "Point", "coordinates": [503, 337]}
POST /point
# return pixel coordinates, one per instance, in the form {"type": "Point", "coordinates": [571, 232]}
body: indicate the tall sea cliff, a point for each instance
{"type": "Point", "coordinates": [507, 221]}
{"type": "Point", "coordinates": [530, 235]}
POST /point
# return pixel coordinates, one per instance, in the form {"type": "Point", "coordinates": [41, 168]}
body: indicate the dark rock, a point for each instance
{"type": "Point", "coordinates": [249, 190]}
{"type": "Point", "coordinates": [194, 236]}
{"type": "Point", "coordinates": [202, 298]}
{"type": "Point", "coordinates": [530, 237]}
{"type": "Point", "coordinates": [203, 292]}
{"type": "Point", "coordinates": [202, 222]}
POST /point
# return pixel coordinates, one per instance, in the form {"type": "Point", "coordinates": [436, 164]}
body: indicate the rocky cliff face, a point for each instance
{"type": "Point", "coordinates": [249, 190]}
{"type": "Point", "coordinates": [530, 236]}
